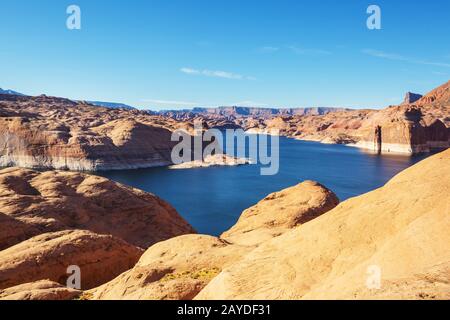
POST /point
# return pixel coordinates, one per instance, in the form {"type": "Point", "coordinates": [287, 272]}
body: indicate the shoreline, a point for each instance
{"type": "Point", "coordinates": [99, 165]}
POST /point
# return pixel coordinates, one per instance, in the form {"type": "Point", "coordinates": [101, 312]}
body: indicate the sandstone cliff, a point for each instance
{"type": "Point", "coordinates": [401, 130]}
{"type": "Point", "coordinates": [410, 128]}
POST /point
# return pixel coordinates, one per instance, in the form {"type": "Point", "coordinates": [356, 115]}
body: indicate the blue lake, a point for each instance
{"type": "Point", "coordinates": [212, 199]}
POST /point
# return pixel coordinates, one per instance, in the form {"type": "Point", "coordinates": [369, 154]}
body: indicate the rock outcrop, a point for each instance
{"type": "Point", "coordinates": [32, 203]}
{"type": "Point", "coordinates": [391, 243]}
{"type": "Point", "coordinates": [100, 258]}
{"type": "Point", "coordinates": [39, 290]}
{"type": "Point", "coordinates": [280, 212]}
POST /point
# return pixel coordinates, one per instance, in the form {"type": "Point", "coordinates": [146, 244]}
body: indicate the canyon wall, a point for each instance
{"type": "Point", "coordinates": [403, 130]}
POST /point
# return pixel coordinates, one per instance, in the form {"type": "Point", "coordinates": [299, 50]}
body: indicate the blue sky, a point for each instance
{"type": "Point", "coordinates": [162, 54]}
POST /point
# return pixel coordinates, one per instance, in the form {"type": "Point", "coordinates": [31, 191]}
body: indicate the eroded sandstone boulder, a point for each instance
{"type": "Point", "coordinates": [39, 290]}
{"type": "Point", "coordinates": [34, 202]}
{"type": "Point", "coordinates": [281, 211]}
{"type": "Point", "coordinates": [48, 256]}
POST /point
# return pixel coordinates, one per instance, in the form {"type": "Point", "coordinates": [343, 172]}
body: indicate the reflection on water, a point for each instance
{"type": "Point", "coordinates": [212, 199]}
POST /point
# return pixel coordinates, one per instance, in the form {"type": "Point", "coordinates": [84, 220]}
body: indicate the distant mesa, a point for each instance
{"type": "Point", "coordinates": [411, 97]}
{"type": "Point", "coordinates": [10, 92]}
{"type": "Point", "coordinates": [111, 105]}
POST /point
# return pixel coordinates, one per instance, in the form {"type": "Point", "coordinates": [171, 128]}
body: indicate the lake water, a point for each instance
{"type": "Point", "coordinates": [212, 199]}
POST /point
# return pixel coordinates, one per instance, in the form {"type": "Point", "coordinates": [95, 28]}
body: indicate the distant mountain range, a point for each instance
{"type": "Point", "coordinates": [2, 91]}
{"type": "Point", "coordinates": [111, 105]}
{"type": "Point", "coordinates": [252, 111]}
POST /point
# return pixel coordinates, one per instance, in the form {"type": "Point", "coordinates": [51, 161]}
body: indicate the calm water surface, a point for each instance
{"type": "Point", "coordinates": [212, 199]}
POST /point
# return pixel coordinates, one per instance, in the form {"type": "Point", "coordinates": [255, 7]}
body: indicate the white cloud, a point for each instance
{"type": "Point", "coordinates": [221, 74]}
{"type": "Point", "coordinates": [384, 55]}
{"type": "Point", "coordinates": [216, 74]}
{"type": "Point", "coordinates": [438, 73]}
{"type": "Point", "coordinates": [190, 71]}
{"type": "Point", "coordinates": [397, 57]}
